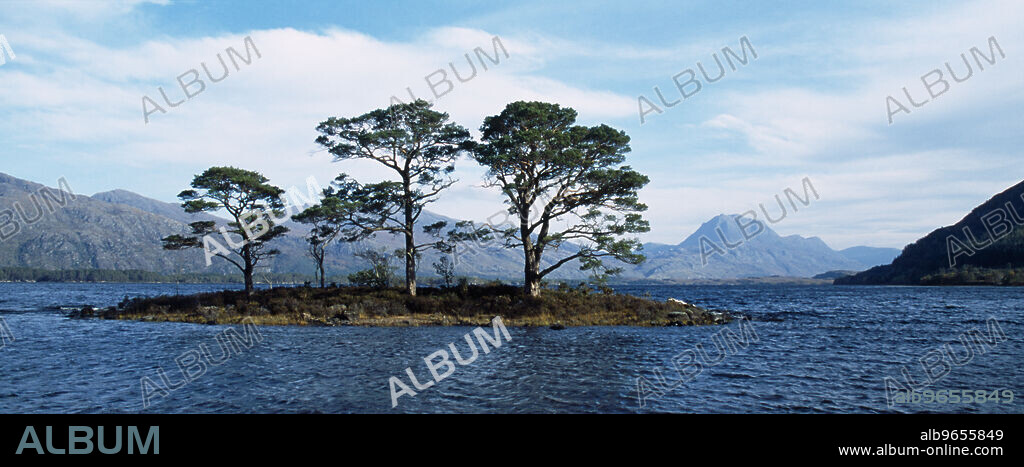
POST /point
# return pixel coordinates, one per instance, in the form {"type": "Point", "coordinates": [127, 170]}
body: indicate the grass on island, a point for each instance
{"type": "Point", "coordinates": [472, 305]}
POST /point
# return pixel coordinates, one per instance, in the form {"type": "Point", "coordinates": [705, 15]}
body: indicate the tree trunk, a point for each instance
{"type": "Point", "coordinates": [410, 265]}
{"type": "Point", "coordinates": [531, 270]}
{"type": "Point", "coordinates": [248, 279]}
{"type": "Point", "coordinates": [322, 278]}
{"type": "Point", "coordinates": [531, 286]}
{"type": "Point", "coordinates": [410, 245]}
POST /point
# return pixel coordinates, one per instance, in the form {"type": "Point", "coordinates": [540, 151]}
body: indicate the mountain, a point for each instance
{"type": "Point", "coordinates": [758, 253]}
{"type": "Point", "coordinates": [491, 262]}
{"type": "Point", "coordinates": [48, 228]}
{"type": "Point", "coordinates": [172, 211]}
{"type": "Point", "coordinates": [121, 230]}
{"type": "Point", "coordinates": [989, 237]}
{"type": "Point", "coordinates": [870, 256]}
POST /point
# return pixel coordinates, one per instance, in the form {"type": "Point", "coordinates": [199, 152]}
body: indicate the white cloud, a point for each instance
{"type": "Point", "coordinates": [884, 185]}
{"type": "Point", "coordinates": [71, 92]}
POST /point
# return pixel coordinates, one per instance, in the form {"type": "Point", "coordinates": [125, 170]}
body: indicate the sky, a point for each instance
{"type": "Point", "coordinates": [814, 103]}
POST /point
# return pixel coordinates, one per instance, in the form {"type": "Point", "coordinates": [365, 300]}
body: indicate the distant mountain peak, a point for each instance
{"type": "Point", "coordinates": [118, 192]}
{"type": "Point", "coordinates": [731, 228]}
{"type": "Point", "coordinates": [736, 246]}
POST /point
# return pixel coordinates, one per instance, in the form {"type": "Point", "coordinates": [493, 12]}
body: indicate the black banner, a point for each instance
{"type": "Point", "coordinates": [726, 438]}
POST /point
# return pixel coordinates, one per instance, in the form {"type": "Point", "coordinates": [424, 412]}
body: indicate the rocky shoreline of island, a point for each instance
{"type": "Point", "coordinates": [442, 306]}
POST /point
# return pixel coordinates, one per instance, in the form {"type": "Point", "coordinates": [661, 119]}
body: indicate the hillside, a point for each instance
{"type": "Point", "coordinates": [965, 250]}
{"type": "Point", "coordinates": [121, 230]}
{"type": "Point", "coordinates": [84, 233]}
{"type": "Point", "coordinates": [169, 210]}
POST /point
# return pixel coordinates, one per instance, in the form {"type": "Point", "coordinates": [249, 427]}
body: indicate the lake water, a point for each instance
{"type": "Point", "coordinates": [817, 349]}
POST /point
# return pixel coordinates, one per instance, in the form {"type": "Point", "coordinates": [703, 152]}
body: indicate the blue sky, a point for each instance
{"type": "Point", "coordinates": [813, 103]}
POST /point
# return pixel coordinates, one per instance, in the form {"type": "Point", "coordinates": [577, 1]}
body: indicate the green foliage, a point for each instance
{"type": "Point", "coordinates": [970, 275]}
{"type": "Point", "coordinates": [368, 278]}
{"type": "Point", "coordinates": [445, 269]}
{"type": "Point", "coordinates": [554, 172]}
{"type": "Point", "coordinates": [381, 273]}
{"type": "Point", "coordinates": [420, 145]}
{"type": "Point", "coordinates": [252, 203]}
{"type": "Point", "coordinates": [347, 210]}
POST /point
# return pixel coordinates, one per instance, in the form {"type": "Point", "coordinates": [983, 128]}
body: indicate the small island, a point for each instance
{"type": "Point", "coordinates": [465, 305]}
{"type": "Point", "coordinates": [569, 196]}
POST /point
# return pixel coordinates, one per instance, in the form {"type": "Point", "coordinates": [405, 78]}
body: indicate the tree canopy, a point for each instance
{"type": "Point", "coordinates": [420, 145]}
{"type": "Point", "coordinates": [253, 204]}
{"type": "Point", "coordinates": [564, 183]}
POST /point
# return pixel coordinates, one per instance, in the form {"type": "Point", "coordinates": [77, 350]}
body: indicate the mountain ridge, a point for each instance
{"type": "Point", "coordinates": [757, 251]}
{"type": "Point", "coordinates": [135, 223]}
